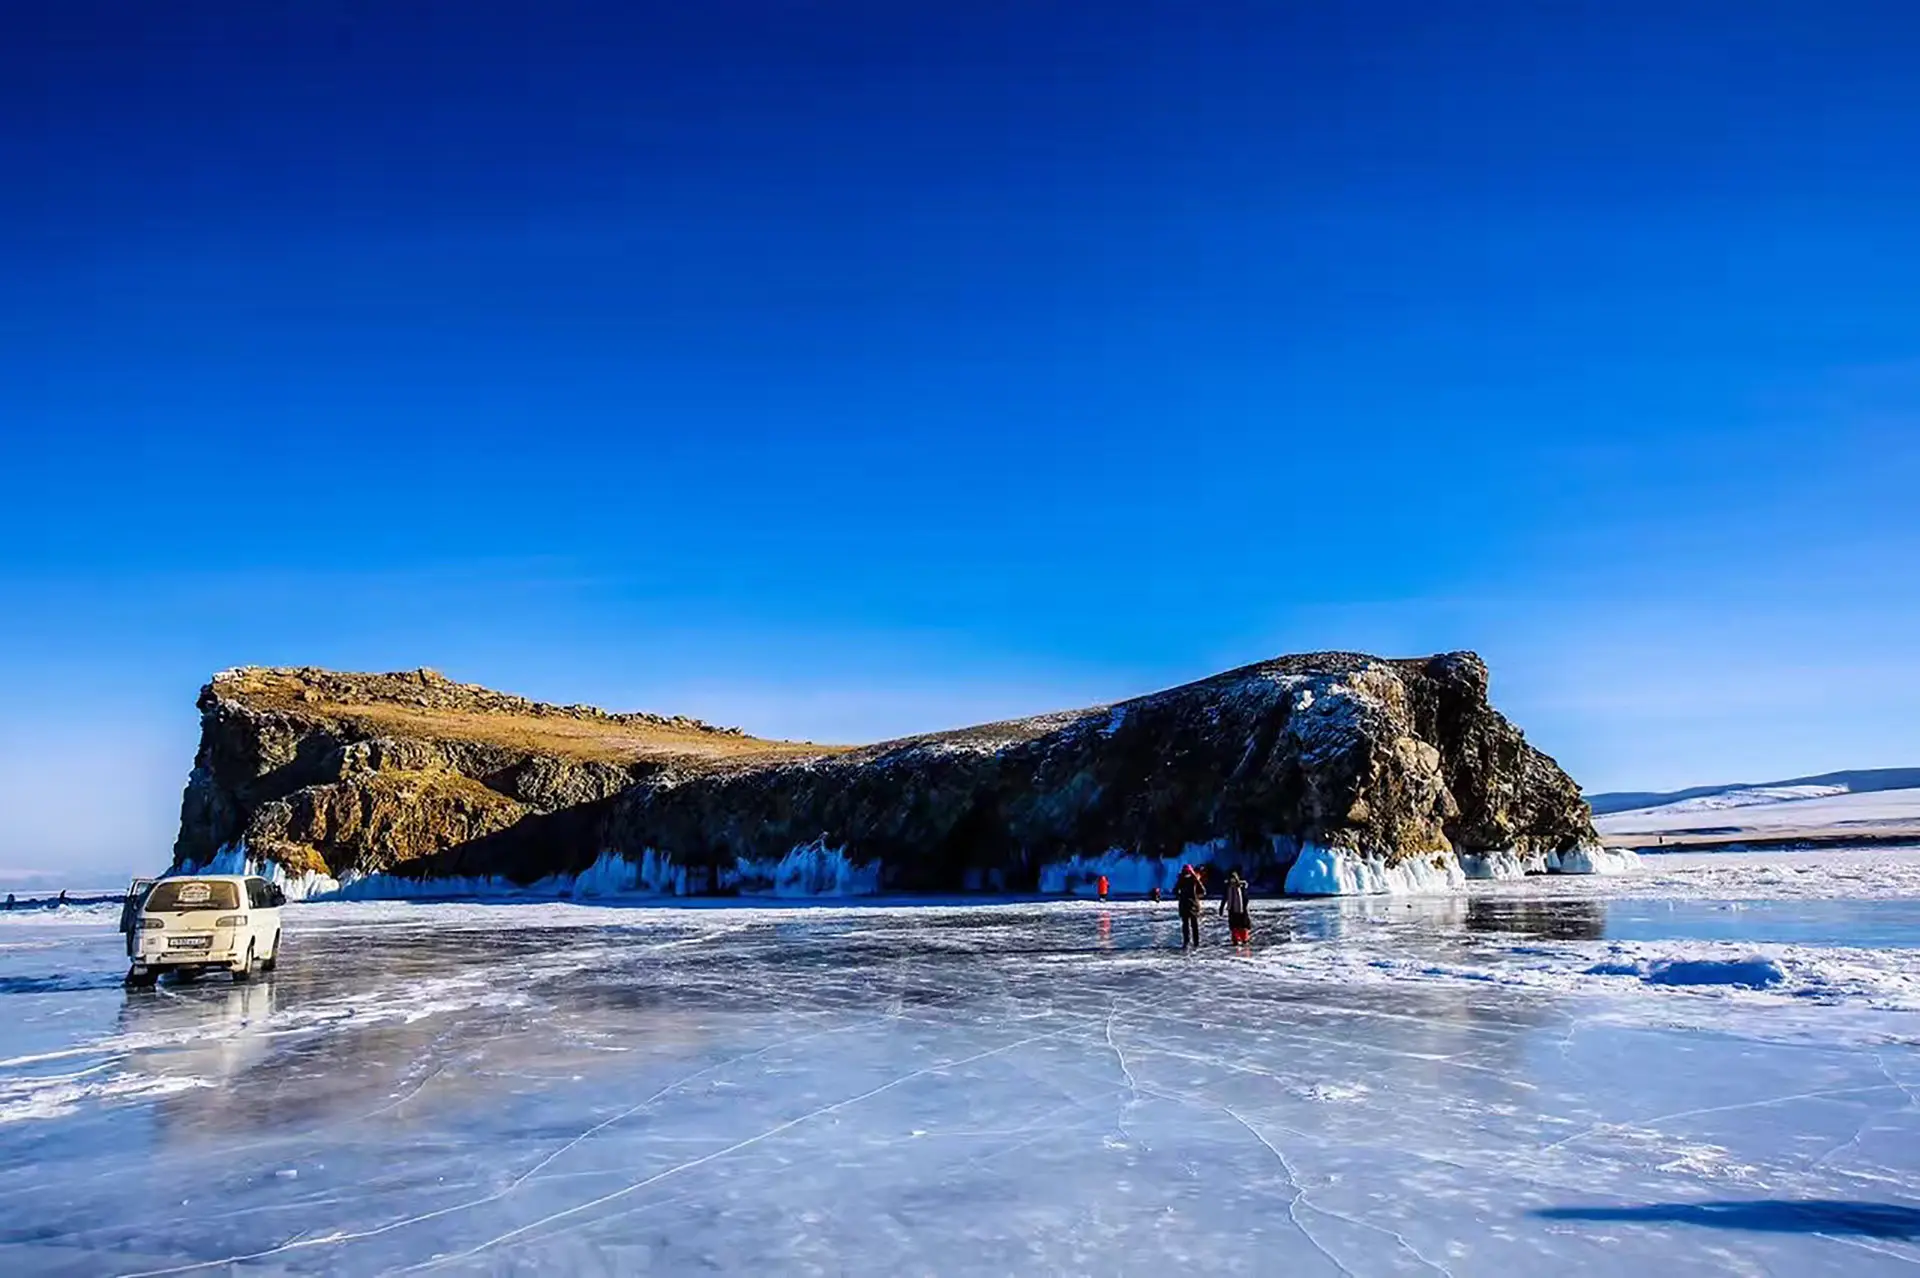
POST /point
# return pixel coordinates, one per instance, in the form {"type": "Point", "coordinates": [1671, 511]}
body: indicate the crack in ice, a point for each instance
{"type": "Point", "coordinates": [340, 1236]}
{"type": "Point", "coordinates": [1299, 1191]}
{"type": "Point", "coordinates": [1598, 1128]}
{"type": "Point", "coordinates": [737, 1146]}
{"type": "Point", "coordinates": [1133, 1085]}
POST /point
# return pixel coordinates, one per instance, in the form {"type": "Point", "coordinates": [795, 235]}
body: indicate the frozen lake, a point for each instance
{"type": "Point", "coordinates": [1547, 1076]}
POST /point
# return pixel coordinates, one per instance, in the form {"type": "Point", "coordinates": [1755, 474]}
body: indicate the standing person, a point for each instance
{"type": "Point", "coordinates": [1233, 904]}
{"type": "Point", "coordinates": [1100, 887]}
{"type": "Point", "coordinates": [1189, 891]}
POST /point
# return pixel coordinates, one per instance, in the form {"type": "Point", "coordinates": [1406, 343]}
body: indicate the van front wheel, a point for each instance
{"type": "Point", "coordinates": [142, 980]}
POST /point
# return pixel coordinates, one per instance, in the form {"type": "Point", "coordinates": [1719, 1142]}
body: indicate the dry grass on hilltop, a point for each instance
{"type": "Point", "coordinates": [427, 705]}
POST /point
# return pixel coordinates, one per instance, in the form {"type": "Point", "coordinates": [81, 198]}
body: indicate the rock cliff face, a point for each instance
{"type": "Point", "coordinates": [1327, 772]}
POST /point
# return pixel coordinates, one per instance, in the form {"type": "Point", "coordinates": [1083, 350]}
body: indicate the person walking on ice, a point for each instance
{"type": "Point", "coordinates": [1189, 891]}
{"type": "Point", "coordinates": [1233, 904]}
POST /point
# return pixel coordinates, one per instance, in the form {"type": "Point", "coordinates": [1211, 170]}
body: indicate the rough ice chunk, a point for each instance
{"type": "Point", "coordinates": [817, 870]}
{"type": "Point", "coordinates": [1322, 871]}
{"type": "Point", "coordinates": [305, 886]}
{"type": "Point", "coordinates": [231, 859]}
{"type": "Point", "coordinates": [611, 874]}
{"type": "Point", "coordinates": [1752, 972]}
{"type": "Point", "coordinates": [236, 858]}
{"type": "Point", "coordinates": [1592, 859]}
{"type": "Point", "coordinates": [394, 887]}
{"type": "Point", "coordinates": [1127, 872]}
{"type": "Point", "coordinates": [1501, 863]}
{"type": "Point", "coordinates": [812, 869]}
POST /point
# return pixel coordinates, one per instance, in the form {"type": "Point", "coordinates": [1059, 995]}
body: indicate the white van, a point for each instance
{"type": "Point", "coordinates": [202, 922]}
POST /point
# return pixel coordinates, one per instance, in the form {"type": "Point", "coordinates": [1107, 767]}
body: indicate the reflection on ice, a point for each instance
{"type": "Point", "coordinates": [1529, 916]}
{"type": "Point", "coordinates": [1384, 1085]}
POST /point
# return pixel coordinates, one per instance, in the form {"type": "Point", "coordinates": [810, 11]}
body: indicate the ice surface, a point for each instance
{"type": "Point", "coordinates": [1839, 873]}
{"type": "Point", "coordinates": [1495, 1081]}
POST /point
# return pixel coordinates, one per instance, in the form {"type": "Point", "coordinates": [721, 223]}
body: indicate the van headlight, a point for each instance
{"type": "Point", "coordinates": [151, 925]}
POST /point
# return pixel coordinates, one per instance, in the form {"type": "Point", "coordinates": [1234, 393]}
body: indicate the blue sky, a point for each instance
{"type": "Point", "coordinates": [850, 369]}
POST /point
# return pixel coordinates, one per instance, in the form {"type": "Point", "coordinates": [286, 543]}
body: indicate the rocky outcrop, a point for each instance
{"type": "Point", "coordinates": [343, 773]}
{"type": "Point", "coordinates": [1302, 770]}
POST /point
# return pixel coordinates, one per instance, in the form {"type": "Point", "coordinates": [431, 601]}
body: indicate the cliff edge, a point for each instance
{"type": "Point", "coordinates": [1322, 773]}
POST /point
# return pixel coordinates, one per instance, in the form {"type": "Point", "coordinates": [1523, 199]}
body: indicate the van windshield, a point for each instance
{"type": "Point", "coordinates": [177, 896]}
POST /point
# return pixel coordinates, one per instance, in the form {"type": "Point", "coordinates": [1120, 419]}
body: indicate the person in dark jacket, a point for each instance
{"type": "Point", "coordinates": [1233, 904]}
{"type": "Point", "coordinates": [1189, 891]}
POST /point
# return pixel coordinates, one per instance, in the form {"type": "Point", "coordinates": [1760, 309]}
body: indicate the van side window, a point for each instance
{"type": "Point", "coordinates": [257, 894]}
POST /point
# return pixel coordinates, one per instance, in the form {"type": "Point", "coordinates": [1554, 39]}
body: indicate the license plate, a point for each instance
{"type": "Point", "coordinates": [189, 942]}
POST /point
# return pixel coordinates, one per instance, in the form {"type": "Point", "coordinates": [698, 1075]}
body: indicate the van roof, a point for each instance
{"type": "Point", "coordinates": [211, 878]}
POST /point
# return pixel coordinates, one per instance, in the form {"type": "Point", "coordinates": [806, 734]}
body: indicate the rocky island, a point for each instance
{"type": "Point", "coordinates": [1324, 773]}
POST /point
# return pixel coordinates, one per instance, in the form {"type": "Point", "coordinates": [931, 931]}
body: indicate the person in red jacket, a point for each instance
{"type": "Point", "coordinates": [1100, 887]}
{"type": "Point", "coordinates": [1233, 904]}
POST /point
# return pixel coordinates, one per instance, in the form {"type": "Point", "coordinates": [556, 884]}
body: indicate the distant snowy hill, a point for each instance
{"type": "Point", "coordinates": [1750, 814]}
{"type": "Point", "coordinates": [1746, 794]}
{"type": "Point", "coordinates": [1758, 796]}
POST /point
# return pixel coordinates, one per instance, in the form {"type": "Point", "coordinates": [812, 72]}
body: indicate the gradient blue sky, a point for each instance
{"type": "Point", "coordinates": [842, 370]}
